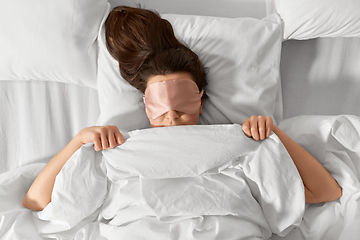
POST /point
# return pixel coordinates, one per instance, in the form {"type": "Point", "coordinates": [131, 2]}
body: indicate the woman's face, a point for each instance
{"type": "Point", "coordinates": [173, 117]}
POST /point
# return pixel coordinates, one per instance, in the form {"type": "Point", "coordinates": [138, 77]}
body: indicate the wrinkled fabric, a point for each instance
{"type": "Point", "coordinates": [252, 192]}
{"type": "Point", "coordinates": [335, 142]}
{"type": "Point", "coordinates": [204, 172]}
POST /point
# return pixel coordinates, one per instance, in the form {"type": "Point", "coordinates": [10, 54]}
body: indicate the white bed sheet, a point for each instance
{"type": "Point", "coordinates": [334, 141]}
{"type": "Point", "coordinates": [321, 76]}
{"type": "Point", "coordinates": [146, 184]}
{"type": "Point", "coordinates": [39, 118]}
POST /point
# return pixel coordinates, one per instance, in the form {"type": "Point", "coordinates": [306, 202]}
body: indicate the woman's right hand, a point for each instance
{"type": "Point", "coordinates": [103, 137]}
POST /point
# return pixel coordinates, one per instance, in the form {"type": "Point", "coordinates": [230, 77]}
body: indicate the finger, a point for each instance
{"type": "Point", "coordinates": [246, 128]}
{"type": "Point", "coordinates": [269, 126]}
{"type": "Point", "coordinates": [97, 143]}
{"type": "Point", "coordinates": [119, 138]}
{"type": "Point", "coordinates": [104, 139]}
{"type": "Point", "coordinates": [261, 127]}
{"type": "Point", "coordinates": [254, 128]}
{"type": "Point", "coordinates": [112, 140]}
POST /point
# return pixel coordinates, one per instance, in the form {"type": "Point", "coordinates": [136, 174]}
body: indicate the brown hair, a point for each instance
{"type": "Point", "coordinates": [145, 45]}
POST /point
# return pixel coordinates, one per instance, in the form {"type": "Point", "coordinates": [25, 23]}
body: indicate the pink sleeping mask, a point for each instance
{"type": "Point", "coordinates": [179, 95]}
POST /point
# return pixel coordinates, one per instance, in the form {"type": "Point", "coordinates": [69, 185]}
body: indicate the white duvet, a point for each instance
{"type": "Point", "coordinates": [194, 182]}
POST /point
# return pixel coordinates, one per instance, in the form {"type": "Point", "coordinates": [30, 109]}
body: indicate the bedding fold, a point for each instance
{"type": "Point", "coordinates": [204, 191]}
{"type": "Point", "coordinates": [78, 193]}
{"type": "Point", "coordinates": [335, 142]}
{"type": "Point", "coordinates": [190, 172]}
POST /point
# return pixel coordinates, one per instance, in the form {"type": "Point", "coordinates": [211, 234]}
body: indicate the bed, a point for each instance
{"type": "Point", "coordinates": [297, 61]}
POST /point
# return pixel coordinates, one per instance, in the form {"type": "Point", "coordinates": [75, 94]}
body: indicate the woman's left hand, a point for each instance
{"type": "Point", "coordinates": [258, 127]}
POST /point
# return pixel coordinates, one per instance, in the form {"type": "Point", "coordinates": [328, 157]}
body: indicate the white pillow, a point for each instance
{"type": "Point", "coordinates": [50, 40]}
{"type": "Point", "coordinates": [242, 56]}
{"type": "Point", "coordinates": [305, 19]}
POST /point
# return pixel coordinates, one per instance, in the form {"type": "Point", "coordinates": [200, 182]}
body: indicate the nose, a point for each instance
{"type": "Point", "coordinates": [172, 114]}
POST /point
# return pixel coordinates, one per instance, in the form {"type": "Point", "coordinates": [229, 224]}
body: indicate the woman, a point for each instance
{"type": "Point", "coordinates": [172, 79]}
